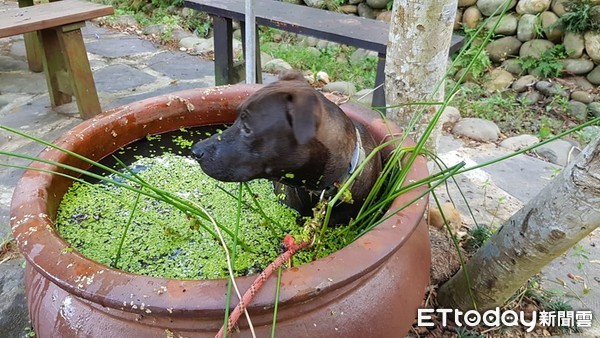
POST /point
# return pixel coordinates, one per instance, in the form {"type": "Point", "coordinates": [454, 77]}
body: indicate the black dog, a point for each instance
{"type": "Point", "coordinates": [290, 133]}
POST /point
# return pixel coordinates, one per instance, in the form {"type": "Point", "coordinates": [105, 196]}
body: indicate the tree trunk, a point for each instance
{"type": "Point", "coordinates": [417, 55]}
{"type": "Point", "coordinates": [564, 212]}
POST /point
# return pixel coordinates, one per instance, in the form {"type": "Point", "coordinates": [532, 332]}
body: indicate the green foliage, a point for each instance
{"type": "Point", "coordinates": [463, 332]}
{"type": "Point", "coordinates": [29, 333]}
{"type": "Point", "coordinates": [533, 290]}
{"type": "Point", "coordinates": [580, 17]}
{"type": "Point", "coordinates": [501, 107]}
{"type": "Point", "coordinates": [479, 235]}
{"type": "Point", "coordinates": [334, 59]}
{"type": "Point", "coordinates": [169, 22]}
{"type": "Point", "coordinates": [333, 5]}
{"type": "Point", "coordinates": [481, 60]}
{"type": "Point", "coordinates": [549, 125]}
{"type": "Point", "coordinates": [580, 252]}
{"type": "Point", "coordinates": [558, 103]}
{"type": "Point", "coordinates": [512, 114]}
{"type": "Point", "coordinates": [585, 136]}
{"type": "Point", "coordinates": [558, 304]}
{"type": "Point", "coordinates": [548, 64]}
{"type": "Point", "coordinates": [480, 66]}
{"type": "Point", "coordinates": [200, 25]}
{"type": "Point", "coordinates": [167, 3]}
{"type": "Point", "coordinates": [538, 29]}
{"type": "Point", "coordinates": [162, 12]}
{"type": "Point", "coordinates": [137, 5]}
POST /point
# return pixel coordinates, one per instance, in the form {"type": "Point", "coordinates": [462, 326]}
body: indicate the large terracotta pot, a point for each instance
{"type": "Point", "coordinates": [371, 288]}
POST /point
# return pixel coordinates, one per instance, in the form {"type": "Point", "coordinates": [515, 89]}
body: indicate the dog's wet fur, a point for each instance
{"type": "Point", "coordinates": [291, 134]}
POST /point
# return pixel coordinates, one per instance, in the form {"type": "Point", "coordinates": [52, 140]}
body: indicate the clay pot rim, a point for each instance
{"type": "Point", "coordinates": [48, 253]}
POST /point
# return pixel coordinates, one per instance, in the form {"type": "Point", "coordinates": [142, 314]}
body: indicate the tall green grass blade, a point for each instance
{"type": "Point", "coordinates": [182, 204]}
{"type": "Point", "coordinates": [79, 180]}
{"type": "Point", "coordinates": [268, 220]}
{"type": "Point", "coordinates": [124, 235]}
{"type": "Point", "coordinates": [152, 192]}
{"type": "Point", "coordinates": [68, 152]}
{"type": "Point", "coordinates": [276, 307]}
{"type": "Point", "coordinates": [461, 258]}
{"type": "Point", "coordinates": [368, 227]}
{"type": "Point", "coordinates": [532, 147]}
{"type": "Point", "coordinates": [383, 204]}
{"type": "Point", "coordinates": [233, 256]}
{"type": "Point", "coordinates": [442, 166]}
{"type": "Point", "coordinates": [257, 209]}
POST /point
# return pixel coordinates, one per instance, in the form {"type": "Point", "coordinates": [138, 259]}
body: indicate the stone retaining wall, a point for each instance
{"type": "Point", "coordinates": [528, 29]}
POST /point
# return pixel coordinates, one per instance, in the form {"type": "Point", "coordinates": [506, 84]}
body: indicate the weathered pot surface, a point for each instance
{"type": "Point", "coordinates": [371, 288]}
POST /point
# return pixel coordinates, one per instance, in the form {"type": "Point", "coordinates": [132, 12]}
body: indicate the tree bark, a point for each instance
{"type": "Point", "coordinates": [564, 212]}
{"type": "Point", "coordinates": [417, 55]}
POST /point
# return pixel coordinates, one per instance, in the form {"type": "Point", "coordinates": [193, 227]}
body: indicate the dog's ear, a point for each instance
{"type": "Point", "coordinates": [304, 111]}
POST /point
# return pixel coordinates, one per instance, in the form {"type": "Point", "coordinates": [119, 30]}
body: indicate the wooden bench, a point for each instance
{"type": "Point", "coordinates": [337, 27]}
{"type": "Point", "coordinates": [64, 58]}
{"type": "Point", "coordinates": [33, 48]}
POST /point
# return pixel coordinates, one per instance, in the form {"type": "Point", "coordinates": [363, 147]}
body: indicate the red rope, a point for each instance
{"type": "Point", "coordinates": [291, 248]}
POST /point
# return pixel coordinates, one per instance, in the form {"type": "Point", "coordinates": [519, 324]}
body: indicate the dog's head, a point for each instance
{"type": "Point", "coordinates": [272, 137]}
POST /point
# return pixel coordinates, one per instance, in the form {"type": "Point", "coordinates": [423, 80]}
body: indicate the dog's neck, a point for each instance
{"type": "Point", "coordinates": [335, 169]}
{"type": "Point", "coordinates": [358, 155]}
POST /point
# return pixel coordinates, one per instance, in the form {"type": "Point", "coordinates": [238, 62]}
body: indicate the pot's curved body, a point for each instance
{"type": "Point", "coordinates": [371, 288]}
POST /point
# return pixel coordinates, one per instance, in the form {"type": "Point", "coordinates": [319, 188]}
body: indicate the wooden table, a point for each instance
{"type": "Point", "coordinates": [55, 38]}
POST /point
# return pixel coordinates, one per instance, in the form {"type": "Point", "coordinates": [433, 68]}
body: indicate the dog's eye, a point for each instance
{"type": "Point", "coordinates": [245, 129]}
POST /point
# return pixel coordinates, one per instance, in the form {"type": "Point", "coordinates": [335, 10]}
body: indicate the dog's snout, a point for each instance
{"type": "Point", "coordinates": [197, 151]}
{"type": "Point", "coordinates": [197, 156]}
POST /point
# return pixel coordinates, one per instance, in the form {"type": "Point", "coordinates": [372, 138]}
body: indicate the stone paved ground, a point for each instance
{"type": "Point", "coordinates": [496, 192]}
{"type": "Point", "coordinates": [127, 69]}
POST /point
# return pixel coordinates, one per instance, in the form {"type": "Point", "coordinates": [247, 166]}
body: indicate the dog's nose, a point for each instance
{"type": "Point", "coordinates": [197, 151]}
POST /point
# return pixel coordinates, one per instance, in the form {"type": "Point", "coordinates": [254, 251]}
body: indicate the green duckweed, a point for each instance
{"type": "Point", "coordinates": [164, 242]}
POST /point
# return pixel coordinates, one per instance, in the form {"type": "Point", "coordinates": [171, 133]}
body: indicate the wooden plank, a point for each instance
{"type": "Point", "coordinates": [379, 93]}
{"type": "Point", "coordinates": [32, 45]}
{"type": "Point", "coordinates": [59, 13]}
{"type": "Point", "coordinates": [72, 26]}
{"type": "Point", "coordinates": [64, 82]}
{"type": "Point", "coordinates": [54, 65]}
{"type": "Point", "coordinates": [80, 74]}
{"type": "Point", "coordinates": [33, 50]}
{"type": "Point", "coordinates": [25, 3]}
{"type": "Point", "coordinates": [223, 30]}
{"type": "Point", "coordinates": [343, 28]}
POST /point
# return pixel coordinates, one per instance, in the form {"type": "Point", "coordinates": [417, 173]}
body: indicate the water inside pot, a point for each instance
{"type": "Point", "coordinates": [161, 240]}
{"type": "Point", "coordinates": [177, 142]}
